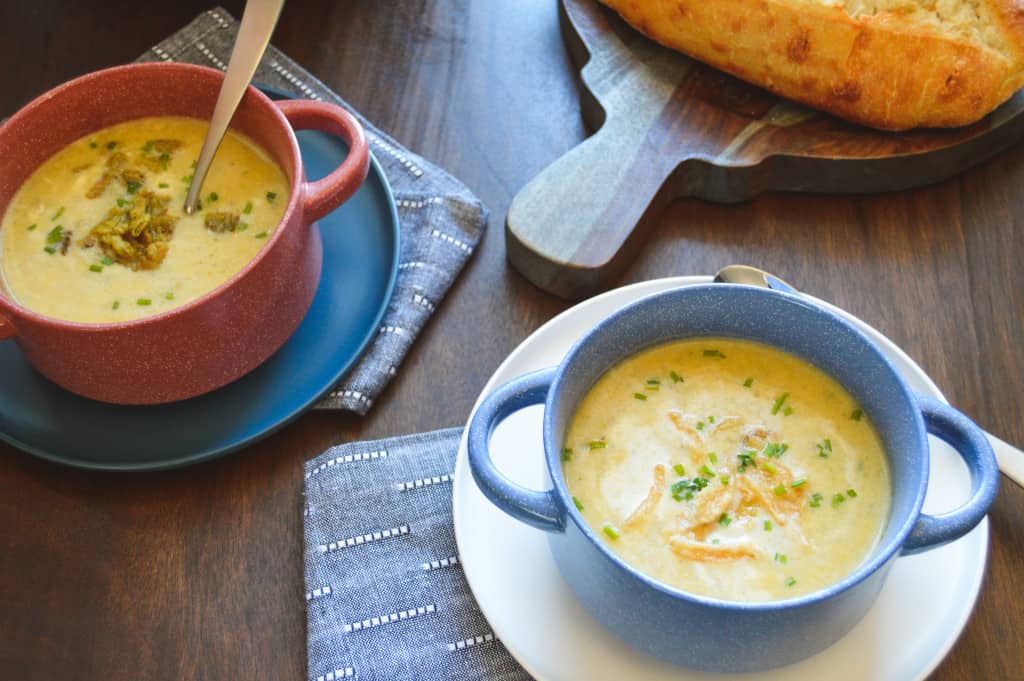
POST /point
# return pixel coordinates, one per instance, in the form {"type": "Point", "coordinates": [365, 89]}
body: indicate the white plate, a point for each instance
{"type": "Point", "coordinates": [919, 614]}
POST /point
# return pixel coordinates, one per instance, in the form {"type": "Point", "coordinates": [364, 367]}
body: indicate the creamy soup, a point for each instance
{"type": "Point", "coordinates": [729, 469]}
{"type": "Point", "coordinates": [98, 233]}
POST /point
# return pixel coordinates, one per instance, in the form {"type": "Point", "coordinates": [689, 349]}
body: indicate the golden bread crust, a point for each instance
{"type": "Point", "coordinates": [879, 70]}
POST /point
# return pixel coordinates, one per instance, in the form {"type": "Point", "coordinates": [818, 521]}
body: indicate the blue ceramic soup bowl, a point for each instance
{"type": "Point", "coordinates": [698, 631]}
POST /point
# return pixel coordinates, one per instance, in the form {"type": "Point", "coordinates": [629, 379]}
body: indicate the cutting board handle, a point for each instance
{"type": "Point", "coordinates": [569, 230]}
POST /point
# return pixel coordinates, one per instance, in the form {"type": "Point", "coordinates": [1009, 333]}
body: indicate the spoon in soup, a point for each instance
{"type": "Point", "coordinates": [1011, 459]}
{"type": "Point", "coordinates": [258, 21]}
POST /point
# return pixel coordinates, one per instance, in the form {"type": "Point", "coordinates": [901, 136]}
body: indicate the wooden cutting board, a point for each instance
{"type": "Point", "coordinates": [668, 126]}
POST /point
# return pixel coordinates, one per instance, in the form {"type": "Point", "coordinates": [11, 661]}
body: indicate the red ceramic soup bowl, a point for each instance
{"type": "Point", "coordinates": [226, 333]}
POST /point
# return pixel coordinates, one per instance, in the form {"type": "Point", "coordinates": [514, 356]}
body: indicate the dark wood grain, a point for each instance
{"type": "Point", "coordinates": [666, 126]}
{"type": "Point", "coordinates": [197, 574]}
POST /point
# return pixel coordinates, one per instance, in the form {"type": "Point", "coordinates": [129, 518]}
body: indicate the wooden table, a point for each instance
{"type": "Point", "coordinates": [197, 573]}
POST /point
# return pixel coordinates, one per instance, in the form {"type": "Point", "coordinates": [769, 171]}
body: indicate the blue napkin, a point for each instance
{"type": "Point", "coordinates": [385, 594]}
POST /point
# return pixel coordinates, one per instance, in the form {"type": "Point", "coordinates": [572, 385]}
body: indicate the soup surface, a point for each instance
{"type": "Point", "coordinates": [729, 469]}
{"type": "Point", "coordinates": [98, 234]}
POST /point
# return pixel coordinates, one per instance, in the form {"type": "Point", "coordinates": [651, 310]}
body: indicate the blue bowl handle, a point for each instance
{"type": "Point", "coordinates": [970, 442]}
{"type": "Point", "coordinates": [540, 509]}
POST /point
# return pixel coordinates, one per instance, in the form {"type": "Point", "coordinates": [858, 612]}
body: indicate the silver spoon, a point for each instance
{"type": "Point", "coordinates": [258, 23]}
{"type": "Point", "coordinates": [1011, 459]}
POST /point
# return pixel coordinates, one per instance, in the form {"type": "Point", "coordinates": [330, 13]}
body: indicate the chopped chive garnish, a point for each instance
{"type": "Point", "coordinates": [611, 531]}
{"type": "Point", "coordinates": [746, 461]}
{"type": "Point", "coordinates": [187, 179]}
{"type": "Point", "coordinates": [640, 396]}
{"type": "Point", "coordinates": [791, 581]}
{"type": "Point", "coordinates": [714, 353]}
{"type": "Point", "coordinates": [857, 413]}
{"type": "Point", "coordinates": [724, 520]}
{"type": "Point", "coordinates": [824, 448]}
{"type": "Point", "coordinates": [852, 493]}
{"type": "Point", "coordinates": [724, 479]}
{"type": "Point", "coordinates": [577, 503]}
{"type": "Point", "coordinates": [116, 305]}
{"type": "Point", "coordinates": [212, 197]}
{"type": "Point", "coordinates": [55, 235]}
{"type": "Point", "coordinates": [248, 207]}
{"type": "Point", "coordinates": [749, 382]}
{"type": "Point", "coordinates": [148, 146]}
{"type": "Point", "coordinates": [163, 185]}
{"type": "Point", "coordinates": [242, 225]}
{"type": "Point", "coordinates": [111, 145]}
{"type": "Point", "coordinates": [95, 268]}
{"type": "Point", "coordinates": [770, 469]}
{"type": "Point", "coordinates": [700, 425]}
{"type": "Point", "coordinates": [107, 262]}
{"type": "Point", "coordinates": [781, 558]}
{"type": "Point", "coordinates": [121, 202]}
{"type": "Point", "coordinates": [271, 196]}
{"type": "Point", "coordinates": [165, 160]}
{"type": "Point", "coordinates": [712, 457]}
{"type": "Point", "coordinates": [711, 419]}
{"type": "Point", "coordinates": [60, 211]}
{"type": "Point", "coordinates": [767, 526]}
{"type": "Point", "coordinates": [707, 471]}
{"type": "Point", "coordinates": [837, 499]}
{"type": "Point", "coordinates": [779, 402]}
{"type": "Point", "coordinates": [715, 541]}
{"type": "Point", "coordinates": [774, 450]}
{"type": "Point", "coordinates": [597, 444]}
{"type": "Point", "coordinates": [676, 378]}
{"type": "Point", "coordinates": [653, 381]}
{"type": "Point", "coordinates": [799, 483]}
{"type": "Point", "coordinates": [566, 454]}
{"type": "Point", "coordinates": [133, 186]}
{"type": "Point", "coordinates": [169, 295]}
{"type": "Point", "coordinates": [143, 302]}
{"type": "Point", "coordinates": [261, 235]}
{"type": "Point", "coordinates": [816, 500]}
{"type": "Point", "coordinates": [685, 489]}
{"type": "Point", "coordinates": [679, 469]}
{"type": "Point", "coordinates": [787, 411]}
{"type": "Point", "coordinates": [50, 249]}
{"type": "Point", "coordinates": [32, 227]}
{"type": "Point", "coordinates": [92, 145]}
{"type": "Point", "coordinates": [780, 490]}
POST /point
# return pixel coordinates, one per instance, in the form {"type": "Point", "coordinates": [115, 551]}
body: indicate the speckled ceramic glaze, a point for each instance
{"type": "Point", "coordinates": [697, 631]}
{"type": "Point", "coordinates": [230, 331]}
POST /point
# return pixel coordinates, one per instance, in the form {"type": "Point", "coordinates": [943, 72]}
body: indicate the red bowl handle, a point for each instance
{"type": "Point", "coordinates": [324, 195]}
{"type": "Point", "coordinates": [6, 329]}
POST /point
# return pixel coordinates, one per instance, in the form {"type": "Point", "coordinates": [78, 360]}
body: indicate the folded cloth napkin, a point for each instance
{"type": "Point", "coordinates": [441, 220]}
{"type": "Point", "coordinates": [385, 595]}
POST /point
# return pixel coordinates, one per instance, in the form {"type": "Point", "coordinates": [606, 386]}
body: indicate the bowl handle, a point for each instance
{"type": "Point", "coordinates": [540, 509]}
{"type": "Point", "coordinates": [6, 329]}
{"type": "Point", "coordinates": [970, 442]}
{"type": "Point", "coordinates": [326, 194]}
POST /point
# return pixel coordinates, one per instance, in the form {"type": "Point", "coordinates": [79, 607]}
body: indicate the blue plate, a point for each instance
{"type": "Point", "coordinates": [360, 266]}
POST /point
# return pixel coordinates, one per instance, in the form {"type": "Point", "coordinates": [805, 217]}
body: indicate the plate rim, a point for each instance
{"type": "Point", "coordinates": [462, 472]}
{"type": "Point", "coordinates": [210, 453]}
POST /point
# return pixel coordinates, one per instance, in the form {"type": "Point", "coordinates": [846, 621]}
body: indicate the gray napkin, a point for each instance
{"type": "Point", "coordinates": [441, 220]}
{"type": "Point", "coordinates": [385, 594]}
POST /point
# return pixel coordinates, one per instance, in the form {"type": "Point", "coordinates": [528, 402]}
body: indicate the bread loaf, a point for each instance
{"type": "Point", "coordinates": [890, 64]}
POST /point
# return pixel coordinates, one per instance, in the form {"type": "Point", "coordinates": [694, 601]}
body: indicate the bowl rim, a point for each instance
{"type": "Point", "coordinates": [17, 311]}
{"type": "Point", "coordinates": [882, 553]}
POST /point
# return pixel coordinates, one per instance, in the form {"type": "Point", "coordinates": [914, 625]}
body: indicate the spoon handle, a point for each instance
{"type": "Point", "coordinates": [258, 23]}
{"type": "Point", "coordinates": [1011, 459]}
